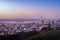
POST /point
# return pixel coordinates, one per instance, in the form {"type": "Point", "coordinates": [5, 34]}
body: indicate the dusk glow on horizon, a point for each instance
{"type": "Point", "coordinates": [29, 8]}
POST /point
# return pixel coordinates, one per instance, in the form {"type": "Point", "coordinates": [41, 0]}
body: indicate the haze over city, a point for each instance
{"type": "Point", "coordinates": [29, 19]}
{"type": "Point", "coordinates": [30, 9]}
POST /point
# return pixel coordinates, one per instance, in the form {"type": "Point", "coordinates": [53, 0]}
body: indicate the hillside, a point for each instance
{"type": "Point", "coordinates": [52, 35]}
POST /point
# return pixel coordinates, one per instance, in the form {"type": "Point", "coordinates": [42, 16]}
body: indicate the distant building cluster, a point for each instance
{"type": "Point", "coordinates": [10, 28]}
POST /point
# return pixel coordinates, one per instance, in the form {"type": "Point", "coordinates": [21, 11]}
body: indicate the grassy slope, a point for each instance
{"type": "Point", "coordinates": [52, 35]}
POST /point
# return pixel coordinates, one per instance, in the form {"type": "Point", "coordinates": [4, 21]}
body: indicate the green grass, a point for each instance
{"type": "Point", "coordinates": [51, 35]}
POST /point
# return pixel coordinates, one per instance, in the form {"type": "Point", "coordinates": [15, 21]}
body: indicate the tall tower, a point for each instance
{"type": "Point", "coordinates": [49, 25]}
{"type": "Point", "coordinates": [41, 17]}
{"type": "Point", "coordinates": [42, 20]}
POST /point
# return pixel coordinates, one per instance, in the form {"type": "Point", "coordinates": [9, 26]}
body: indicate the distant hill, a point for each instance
{"type": "Point", "coordinates": [19, 19]}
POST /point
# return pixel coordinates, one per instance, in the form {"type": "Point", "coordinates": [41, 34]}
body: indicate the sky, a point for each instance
{"type": "Point", "coordinates": [30, 9]}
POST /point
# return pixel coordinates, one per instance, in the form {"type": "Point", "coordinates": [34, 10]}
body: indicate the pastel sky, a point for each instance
{"type": "Point", "coordinates": [29, 8]}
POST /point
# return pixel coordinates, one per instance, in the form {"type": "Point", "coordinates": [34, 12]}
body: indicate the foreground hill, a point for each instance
{"type": "Point", "coordinates": [52, 35]}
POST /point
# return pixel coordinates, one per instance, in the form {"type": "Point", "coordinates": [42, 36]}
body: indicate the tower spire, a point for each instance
{"type": "Point", "coordinates": [41, 17]}
{"type": "Point", "coordinates": [42, 20]}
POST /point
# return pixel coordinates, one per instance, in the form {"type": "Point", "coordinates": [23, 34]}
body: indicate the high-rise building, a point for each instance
{"type": "Point", "coordinates": [42, 20]}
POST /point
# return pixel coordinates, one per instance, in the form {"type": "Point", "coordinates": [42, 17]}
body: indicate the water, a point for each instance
{"type": "Point", "coordinates": [14, 22]}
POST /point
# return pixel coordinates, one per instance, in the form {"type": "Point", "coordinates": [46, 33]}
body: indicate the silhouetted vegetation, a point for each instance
{"type": "Point", "coordinates": [20, 36]}
{"type": "Point", "coordinates": [51, 35]}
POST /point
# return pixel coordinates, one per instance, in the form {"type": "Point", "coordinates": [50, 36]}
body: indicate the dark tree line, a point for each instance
{"type": "Point", "coordinates": [20, 36]}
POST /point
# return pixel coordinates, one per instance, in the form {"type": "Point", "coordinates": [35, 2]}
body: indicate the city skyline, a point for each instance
{"type": "Point", "coordinates": [30, 9]}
